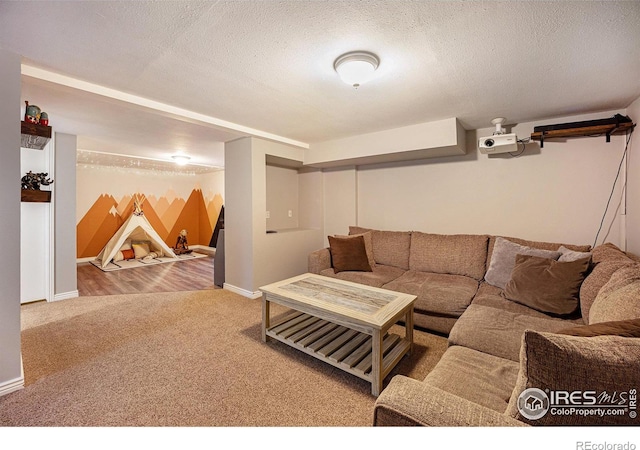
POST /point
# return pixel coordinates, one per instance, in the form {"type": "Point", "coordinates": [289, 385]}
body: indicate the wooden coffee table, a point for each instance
{"type": "Point", "coordinates": [342, 323]}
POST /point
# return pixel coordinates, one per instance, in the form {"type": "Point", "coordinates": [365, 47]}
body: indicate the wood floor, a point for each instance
{"type": "Point", "coordinates": [190, 275]}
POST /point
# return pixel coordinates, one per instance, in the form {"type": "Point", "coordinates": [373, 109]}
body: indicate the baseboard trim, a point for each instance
{"type": "Point", "coordinates": [13, 385]}
{"type": "Point", "coordinates": [65, 295]}
{"type": "Point", "coordinates": [243, 292]}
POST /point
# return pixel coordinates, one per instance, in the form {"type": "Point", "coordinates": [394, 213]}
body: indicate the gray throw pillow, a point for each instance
{"type": "Point", "coordinates": [571, 255]}
{"type": "Point", "coordinates": [503, 260]}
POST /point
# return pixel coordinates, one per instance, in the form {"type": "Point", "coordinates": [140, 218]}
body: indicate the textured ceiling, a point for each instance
{"type": "Point", "coordinates": [268, 65]}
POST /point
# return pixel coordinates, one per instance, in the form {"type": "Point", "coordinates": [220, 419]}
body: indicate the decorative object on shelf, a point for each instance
{"type": "Point", "coordinates": [32, 181]}
{"type": "Point", "coordinates": [44, 119]}
{"type": "Point", "coordinates": [31, 113]}
{"type": "Point", "coordinates": [617, 124]}
{"type": "Point", "coordinates": [182, 247]}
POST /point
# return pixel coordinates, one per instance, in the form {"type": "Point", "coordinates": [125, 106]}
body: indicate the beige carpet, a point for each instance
{"type": "Point", "coordinates": [180, 359]}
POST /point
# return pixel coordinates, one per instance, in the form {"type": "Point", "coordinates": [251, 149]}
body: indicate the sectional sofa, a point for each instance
{"type": "Point", "coordinates": [521, 317]}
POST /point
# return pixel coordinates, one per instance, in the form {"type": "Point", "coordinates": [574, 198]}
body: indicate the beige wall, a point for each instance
{"type": "Point", "coordinates": [65, 282]}
{"type": "Point", "coordinates": [281, 197]}
{"type": "Point", "coordinates": [11, 377]}
{"type": "Point", "coordinates": [254, 257]}
{"type": "Point", "coordinates": [557, 193]}
{"type": "Point", "coordinates": [633, 183]}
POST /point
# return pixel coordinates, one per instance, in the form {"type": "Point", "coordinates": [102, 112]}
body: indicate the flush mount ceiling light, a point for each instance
{"type": "Point", "coordinates": [356, 68]}
{"type": "Point", "coordinates": [181, 160]}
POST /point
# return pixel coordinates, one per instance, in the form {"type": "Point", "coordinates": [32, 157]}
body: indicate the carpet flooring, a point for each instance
{"type": "Point", "coordinates": [181, 359]}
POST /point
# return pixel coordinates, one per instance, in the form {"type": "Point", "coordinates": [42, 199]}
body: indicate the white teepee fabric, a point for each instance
{"type": "Point", "coordinates": [136, 227]}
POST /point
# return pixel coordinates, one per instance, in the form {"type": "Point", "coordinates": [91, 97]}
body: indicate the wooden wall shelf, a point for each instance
{"type": "Point", "coordinates": [29, 195]}
{"type": "Point", "coordinates": [598, 130]}
{"type": "Point", "coordinates": [34, 135]}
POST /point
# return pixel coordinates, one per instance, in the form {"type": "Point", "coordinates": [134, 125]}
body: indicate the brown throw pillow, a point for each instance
{"type": "Point", "coordinates": [622, 328]}
{"type": "Point", "coordinates": [349, 253]}
{"type": "Point", "coordinates": [368, 245]}
{"type": "Point", "coordinates": [128, 254]}
{"type": "Point", "coordinates": [547, 285]}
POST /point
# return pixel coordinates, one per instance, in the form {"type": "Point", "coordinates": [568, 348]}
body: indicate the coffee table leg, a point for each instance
{"type": "Point", "coordinates": [265, 317]}
{"type": "Point", "coordinates": [408, 323]}
{"type": "Point", "coordinates": [376, 363]}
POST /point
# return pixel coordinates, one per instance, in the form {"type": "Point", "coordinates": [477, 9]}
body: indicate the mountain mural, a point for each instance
{"type": "Point", "coordinates": [168, 215]}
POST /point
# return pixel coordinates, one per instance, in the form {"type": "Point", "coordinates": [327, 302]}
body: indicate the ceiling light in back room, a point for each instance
{"type": "Point", "coordinates": [356, 68]}
{"type": "Point", "coordinates": [181, 160]}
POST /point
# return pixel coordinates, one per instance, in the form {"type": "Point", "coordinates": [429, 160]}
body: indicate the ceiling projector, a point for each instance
{"type": "Point", "coordinates": [499, 142]}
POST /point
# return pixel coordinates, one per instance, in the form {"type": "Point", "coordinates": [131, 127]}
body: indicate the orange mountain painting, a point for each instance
{"type": "Point", "coordinates": [171, 214]}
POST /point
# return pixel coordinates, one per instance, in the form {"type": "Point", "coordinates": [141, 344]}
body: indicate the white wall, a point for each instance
{"type": "Point", "coordinates": [557, 193]}
{"type": "Point", "coordinates": [11, 377]}
{"type": "Point", "coordinates": [633, 183]}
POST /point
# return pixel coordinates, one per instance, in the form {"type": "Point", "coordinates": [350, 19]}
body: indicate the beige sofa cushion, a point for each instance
{"type": "Point", "coordinates": [499, 332]}
{"type": "Point", "coordinates": [569, 363]}
{"type": "Point", "coordinates": [379, 276]}
{"type": "Point", "coordinates": [441, 294]}
{"type": "Point", "coordinates": [483, 379]}
{"type": "Point", "coordinates": [597, 278]}
{"type": "Point", "coordinates": [390, 248]}
{"type": "Point", "coordinates": [492, 296]}
{"type": "Point", "coordinates": [619, 298]}
{"type": "Point", "coordinates": [503, 260]}
{"type": "Point", "coordinates": [608, 252]}
{"type": "Point", "coordinates": [460, 254]}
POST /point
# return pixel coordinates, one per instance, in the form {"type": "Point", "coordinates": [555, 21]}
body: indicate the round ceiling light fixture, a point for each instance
{"type": "Point", "coordinates": [356, 68]}
{"type": "Point", "coordinates": [181, 160]}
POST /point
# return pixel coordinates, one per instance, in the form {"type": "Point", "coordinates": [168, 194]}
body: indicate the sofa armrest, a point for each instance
{"type": "Point", "coordinates": [319, 260]}
{"type": "Point", "coordinates": [409, 402]}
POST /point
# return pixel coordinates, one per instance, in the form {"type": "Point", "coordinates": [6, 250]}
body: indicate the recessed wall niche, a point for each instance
{"type": "Point", "coordinates": [287, 204]}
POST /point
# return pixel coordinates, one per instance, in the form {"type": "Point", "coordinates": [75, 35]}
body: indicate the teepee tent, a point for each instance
{"type": "Point", "coordinates": [136, 227]}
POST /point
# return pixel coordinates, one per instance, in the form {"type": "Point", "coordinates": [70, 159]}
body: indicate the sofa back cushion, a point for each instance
{"type": "Point", "coordinates": [459, 254]}
{"type": "Point", "coordinates": [619, 298]}
{"type": "Point", "coordinates": [607, 259]}
{"type": "Point", "coordinates": [554, 362]}
{"type": "Point", "coordinates": [390, 248]}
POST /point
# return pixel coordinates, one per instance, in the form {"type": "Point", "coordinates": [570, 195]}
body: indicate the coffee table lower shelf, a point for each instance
{"type": "Point", "coordinates": [342, 347]}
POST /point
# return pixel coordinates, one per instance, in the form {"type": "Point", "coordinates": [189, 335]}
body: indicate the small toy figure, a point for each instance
{"type": "Point", "coordinates": [32, 181]}
{"type": "Point", "coordinates": [182, 248]}
{"type": "Point", "coordinates": [44, 118]}
{"type": "Point", "coordinates": [31, 113]}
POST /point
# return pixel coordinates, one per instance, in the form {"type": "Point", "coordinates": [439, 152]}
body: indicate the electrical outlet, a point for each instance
{"type": "Point", "coordinates": [290, 213]}
{"type": "Point", "coordinates": [268, 214]}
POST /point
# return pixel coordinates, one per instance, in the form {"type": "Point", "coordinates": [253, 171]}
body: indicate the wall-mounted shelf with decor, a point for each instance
{"type": "Point", "coordinates": [595, 130]}
{"type": "Point", "coordinates": [29, 195]}
{"type": "Point", "coordinates": [34, 135]}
